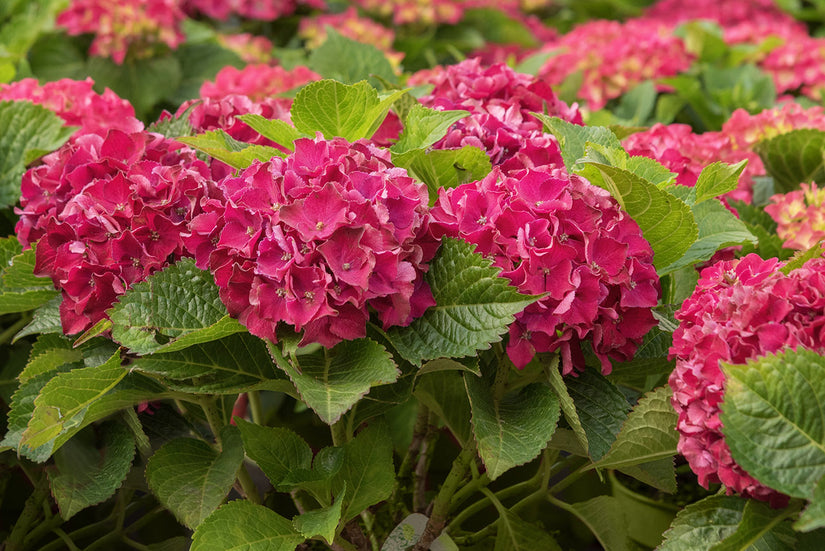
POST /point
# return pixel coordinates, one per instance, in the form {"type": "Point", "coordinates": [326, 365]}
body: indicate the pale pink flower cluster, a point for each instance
{"type": "Point", "coordinates": [800, 216]}
{"type": "Point", "coordinates": [263, 10]}
{"type": "Point", "coordinates": [317, 240]}
{"type": "Point", "coordinates": [250, 48]}
{"type": "Point", "coordinates": [76, 103]}
{"type": "Point", "coordinates": [353, 26]}
{"type": "Point", "coordinates": [405, 12]}
{"type": "Point", "coordinates": [257, 82]}
{"type": "Point", "coordinates": [124, 27]}
{"type": "Point", "coordinates": [740, 310]}
{"type": "Point", "coordinates": [614, 57]}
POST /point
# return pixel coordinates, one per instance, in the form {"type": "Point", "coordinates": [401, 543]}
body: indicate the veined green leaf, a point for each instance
{"type": "Point", "coordinates": [225, 148]}
{"type": "Point", "coordinates": [242, 525]}
{"type": "Point", "coordinates": [424, 126]}
{"type": "Point", "coordinates": [794, 157]}
{"type": "Point", "coordinates": [280, 132]}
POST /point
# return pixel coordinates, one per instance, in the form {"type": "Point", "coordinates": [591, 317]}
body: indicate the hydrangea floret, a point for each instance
{"type": "Point", "coordinates": [740, 310]}
{"type": "Point", "coordinates": [106, 212]}
{"type": "Point", "coordinates": [799, 216]}
{"type": "Point", "coordinates": [317, 241]}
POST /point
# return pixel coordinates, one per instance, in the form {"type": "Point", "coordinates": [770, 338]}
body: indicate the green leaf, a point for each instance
{"type": "Point", "coordinates": [278, 451]}
{"type": "Point", "coordinates": [636, 106]}
{"type": "Point", "coordinates": [512, 430]}
{"type": "Point", "coordinates": [64, 400]}
{"type": "Point", "coordinates": [424, 126]}
{"type": "Point", "coordinates": [144, 82]}
{"type": "Point", "coordinates": [794, 157]}
{"type": "Point", "coordinates": [367, 471]}
{"type": "Point", "coordinates": [647, 439]}
{"type": "Point", "coordinates": [321, 522]}
{"type": "Point", "coordinates": [444, 394]}
{"type": "Point", "coordinates": [665, 220]}
{"type": "Point", "coordinates": [758, 519]}
{"type": "Point", "coordinates": [86, 474]}
{"type": "Point", "coordinates": [800, 258]}
{"type": "Point", "coordinates": [447, 364]}
{"type": "Point", "coordinates": [573, 138]}
{"type": "Point", "coordinates": [514, 534]}
{"type": "Point", "coordinates": [191, 478]}
{"type": "Point", "coordinates": [349, 61]}
{"type": "Point", "coordinates": [278, 131]}
{"type": "Point", "coordinates": [199, 62]}
{"type": "Point", "coordinates": [565, 401]}
{"type": "Point", "coordinates": [718, 228]}
{"type": "Point", "coordinates": [225, 148]}
{"type": "Point", "coordinates": [702, 525]}
{"type": "Point", "coordinates": [172, 309]}
{"type": "Point", "coordinates": [233, 364]}
{"type": "Point", "coordinates": [717, 179]}
{"type": "Point", "coordinates": [473, 308]}
{"type": "Point", "coordinates": [48, 353]}
{"type": "Point", "coordinates": [813, 517]}
{"type": "Point", "coordinates": [27, 131]}
{"type": "Point", "coordinates": [649, 367]}
{"type": "Point", "coordinates": [445, 168]}
{"type": "Point", "coordinates": [243, 526]}
{"type": "Point", "coordinates": [335, 109]}
{"type": "Point", "coordinates": [602, 409]}
{"type": "Point", "coordinates": [331, 381]}
{"type": "Point", "coordinates": [20, 289]}
{"type": "Point", "coordinates": [767, 419]}
{"type": "Point", "coordinates": [604, 516]}
{"type": "Point", "coordinates": [46, 319]}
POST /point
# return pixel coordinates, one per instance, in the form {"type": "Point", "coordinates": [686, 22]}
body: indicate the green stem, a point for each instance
{"type": "Point", "coordinates": [12, 330]}
{"type": "Point", "coordinates": [29, 515]}
{"type": "Point", "coordinates": [468, 489]}
{"type": "Point", "coordinates": [569, 479]}
{"type": "Point", "coordinates": [369, 524]}
{"type": "Point", "coordinates": [41, 530]}
{"type": "Point", "coordinates": [340, 435]}
{"type": "Point", "coordinates": [441, 505]}
{"type": "Point", "coordinates": [135, 545]}
{"type": "Point", "coordinates": [343, 545]}
{"type": "Point", "coordinates": [248, 485]}
{"type": "Point", "coordinates": [484, 502]}
{"type": "Point", "coordinates": [213, 416]}
{"type": "Point", "coordinates": [256, 410]}
{"type": "Point", "coordinates": [67, 541]}
{"type": "Point", "coordinates": [141, 440]}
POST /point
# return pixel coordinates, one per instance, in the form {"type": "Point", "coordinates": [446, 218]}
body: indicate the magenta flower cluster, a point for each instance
{"type": "Point", "coordinates": [740, 310]}
{"type": "Point", "coordinates": [318, 239]}
{"type": "Point", "coordinates": [106, 212]}
{"type": "Point", "coordinates": [500, 102]}
{"type": "Point", "coordinates": [557, 235]}
{"type": "Point", "coordinates": [263, 10]}
{"type": "Point", "coordinates": [76, 103]}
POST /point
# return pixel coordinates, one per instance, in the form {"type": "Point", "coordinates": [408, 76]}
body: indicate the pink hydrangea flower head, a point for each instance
{"type": "Point", "coordinates": [263, 10]}
{"type": "Point", "coordinates": [728, 14]}
{"type": "Point", "coordinates": [318, 239]}
{"type": "Point", "coordinates": [258, 82]}
{"type": "Point", "coordinates": [422, 12]}
{"type": "Point", "coordinates": [125, 26]}
{"type": "Point", "coordinates": [252, 49]}
{"type": "Point", "coordinates": [800, 216]}
{"type": "Point", "coordinates": [353, 26]}
{"type": "Point", "coordinates": [77, 104]}
{"type": "Point", "coordinates": [106, 212]}
{"type": "Point", "coordinates": [500, 102]}
{"type": "Point", "coordinates": [614, 57]}
{"type": "Point", "coordinates": [555, 234]}
{"type": "Point", "coordinates": [740, 310]}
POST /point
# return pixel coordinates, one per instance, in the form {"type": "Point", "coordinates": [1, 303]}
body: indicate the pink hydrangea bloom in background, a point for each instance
{"type": "Point", "coordinates": [250, 48]}
{"type": "Point", "coordinates": [221, 113]}
{"type": "Point", "coordinates": [614, 57]}
{"type": "Point", "coordinates": [125, 26]}
{"type": "Point", "coordinates": [258, 82]}
{"type": "Point", "coordinates": [108, 212]}
{"type": "Point", "coordinates": [353, 26]}
{"type": "Point", "coordinates": [800, 216]}
{"type": "Point", "coordinates": [263, 10]}
{"type": "Point", "coordinates": [500, 102]}
{"type": "Point", "coordinates": [318, 239]}
{"type": "Point", "coordinates": [555, 233]}
{"type": "Point", "coordinates": [727, 14]}
{"type": "Point", "coordinates": [415, 11]}
{"type": "Point", "coordinates": [77, 104]}
{"type": "Point", "coordinates": [740, 310]}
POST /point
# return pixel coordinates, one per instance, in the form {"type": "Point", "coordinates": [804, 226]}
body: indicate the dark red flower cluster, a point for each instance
{"type": "Point", "coordinates": [740, 310]}
{"type": "Point", "coordinates": [500, 101]}
{"type": "Point", "coordinates": [76, 103]}
{"type": "Point", "coordinates": [557, 235]}
{"type": "Point", "coordinates": [316, 239]}
{"type": "Point", "coordinates": [108, 212]}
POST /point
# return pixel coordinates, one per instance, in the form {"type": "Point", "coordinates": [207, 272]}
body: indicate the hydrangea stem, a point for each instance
{"type": "Point", "coordinates": [441, 505]}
